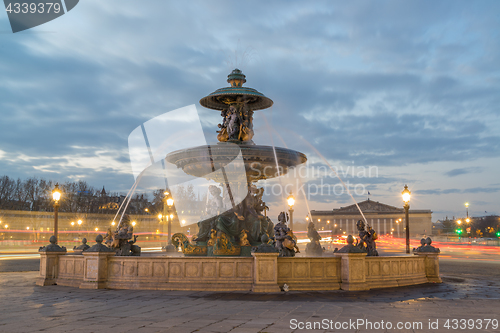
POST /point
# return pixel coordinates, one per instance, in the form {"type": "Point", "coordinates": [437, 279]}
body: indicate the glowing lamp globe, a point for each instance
{"type": "Point", "coordinates": [56, 193]}
{"type": "Point", "coordinates": [406, 194]}
{"type": "Point", "coordinates": [290, 200]}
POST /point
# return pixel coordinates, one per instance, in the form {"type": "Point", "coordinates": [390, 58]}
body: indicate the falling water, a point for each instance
{"type": "Point", "coordinates": [300, 179]}
{"type": "Point", "coordinates": [275, 158]}
{"type": "Point", "coordinates": [327, 163]}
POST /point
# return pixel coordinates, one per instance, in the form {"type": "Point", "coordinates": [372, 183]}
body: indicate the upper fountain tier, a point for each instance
{"type": "Point", "coordinates": [260, 162]}
{"type": "Point", "coordinates": [222, 98]}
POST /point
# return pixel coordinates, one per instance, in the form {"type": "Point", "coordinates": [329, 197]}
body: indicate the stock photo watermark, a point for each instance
{"type": "Point", "coordinates": [26, 14]}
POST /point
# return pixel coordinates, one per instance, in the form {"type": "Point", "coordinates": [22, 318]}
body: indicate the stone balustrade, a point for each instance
{"type": "Point", "coordinates": [263, 272]}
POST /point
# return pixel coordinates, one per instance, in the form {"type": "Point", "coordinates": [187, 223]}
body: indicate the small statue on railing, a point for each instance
{"type": "Point", "coordinates": [264, 246]}
{"type": "Point", "coordinates": [425, 246]}
{"type": "Point", "coordinates": [79, 249]}
{"type": "Point", "coordinates": [313, 248]}
{"type": "Point", "coordinates": [285, 242]}
{"type": "Point", "coordinates": [52, 247]}
{"type": "Point", "coordinates": [367, 238]}
{"type": "Point", "coordinates": [350, 247]}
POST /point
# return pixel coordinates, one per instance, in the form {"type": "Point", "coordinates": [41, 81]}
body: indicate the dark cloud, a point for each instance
{"type": "Point", "coordinates": [462, 171]}
{"type": "Point", "coordinates": [455, 190]}
{"type": "Point", "coordinates": [385, 83]}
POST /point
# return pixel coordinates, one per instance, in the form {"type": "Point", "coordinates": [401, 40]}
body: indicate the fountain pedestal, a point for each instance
{"type": "Point", "coordinates": [431, 266]}
{"type": "Point", "coordinates": [265, 273]}
{"type": "Point", "coordinates": [353, 275]}
{"type": "Point", "coordinates": [49, 268]}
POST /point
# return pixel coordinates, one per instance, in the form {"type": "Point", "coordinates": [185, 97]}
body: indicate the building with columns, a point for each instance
{"type": "Point", "coordinates": [384, 219]}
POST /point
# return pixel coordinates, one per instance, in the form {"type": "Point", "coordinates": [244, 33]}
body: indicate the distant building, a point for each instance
{"type": "Point", "coordinates": [385, 219]}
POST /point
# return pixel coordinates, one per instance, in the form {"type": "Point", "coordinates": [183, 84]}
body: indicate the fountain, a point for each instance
{"type": "Point", "coordinates": [235, 230]}
{"type": "Point", "coordinates": [220, 258]}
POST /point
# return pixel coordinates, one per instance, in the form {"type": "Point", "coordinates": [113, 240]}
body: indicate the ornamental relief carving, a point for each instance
{"type": "Point", "coordinates": [175, 270]}
{"type": "Point", "coordinates": [158, 269]}
{"type": "Point", "coordinates": [226, 270]}
{"type": "Point", "coordinates": [317, 269]}
{"type": "Point", "coordinates": [266, 270]}
{"type": "Point", "coordinates": [208, 269]}
{"type": "Point", "coordinates": [144, 269]}
{"type": "Point", "coordinates": [192, 270]}
{"type": "Point", "coordinates": [244, 270]}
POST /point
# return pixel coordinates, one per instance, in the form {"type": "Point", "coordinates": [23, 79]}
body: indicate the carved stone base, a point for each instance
{"type": "Point", "coordinates": [265, 273]}
{"type": "Point", "coordinates": [431, 266]}
{"type": "Point", "coordinates": [353, 272]}
{"type": "Point", "coordinates": [49, 268]}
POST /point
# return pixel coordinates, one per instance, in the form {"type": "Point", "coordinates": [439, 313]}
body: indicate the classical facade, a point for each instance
{"type": "Point", "coordinates": [385, 219]}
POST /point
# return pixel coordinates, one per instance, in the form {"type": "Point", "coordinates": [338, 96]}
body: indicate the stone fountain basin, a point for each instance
{"type": "Point", "coordinates": [259, 161]}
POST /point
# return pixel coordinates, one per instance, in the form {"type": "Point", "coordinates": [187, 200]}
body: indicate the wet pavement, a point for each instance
{"type": "Point", "coordinates": [470, 291]}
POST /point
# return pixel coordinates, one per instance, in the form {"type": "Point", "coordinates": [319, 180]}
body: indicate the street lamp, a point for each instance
{"type": "Point", "coordinates": [406, 198]}
{"type": "Point", "coordinates": [169, 202]}
{"type": "Point", "coordinates": [291, 202]}
{"type": "Point", "coordinates": [467, 209]}
{"type": "Point", "coordinates": [56, 196]}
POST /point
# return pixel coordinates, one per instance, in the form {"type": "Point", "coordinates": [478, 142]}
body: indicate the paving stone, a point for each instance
{"type": "Point", "coordinates": [29, 308]}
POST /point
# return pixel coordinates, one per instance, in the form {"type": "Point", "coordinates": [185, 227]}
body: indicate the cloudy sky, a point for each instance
{"type": "Point", "coordinates": [408, 88]}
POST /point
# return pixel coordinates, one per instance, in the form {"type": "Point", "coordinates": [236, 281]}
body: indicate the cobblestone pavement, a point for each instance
{"type": "Point", "coordinates": [29, 308]}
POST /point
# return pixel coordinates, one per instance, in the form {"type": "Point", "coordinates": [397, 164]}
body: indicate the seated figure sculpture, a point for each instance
{"type": "Point", "coordinates": [121, 239]}
{"type": "Point", "coordinates": [285, 242]}
{"type": "Point", "coordinates": [313, 248]}
{"type": "Point", "coordinates": [367, 239]}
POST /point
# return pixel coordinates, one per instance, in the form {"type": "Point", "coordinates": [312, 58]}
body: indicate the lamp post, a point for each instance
{"type": "Point", "coordinates": [467, 209]}
{"type": "Point", "coordinates": [291, 202]}
{"type": "Point", "coordinates": [406, 198]}
{"type": "Point", "coordinates": [169, 202]}
{"type": "Point", "coordinates": [56, 196]}
{"type": "Point", "coordinates": [79, 226]}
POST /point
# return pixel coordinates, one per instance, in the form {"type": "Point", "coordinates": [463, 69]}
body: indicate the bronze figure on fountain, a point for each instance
{"type": "Point", "coordinates": [121, 239]}
{"type": "Point", "coordinates": [313, 248]}
{"type": "Point", "coordinates": [367, 238]}
{"type": "Point", "coordinates": [286, 242]}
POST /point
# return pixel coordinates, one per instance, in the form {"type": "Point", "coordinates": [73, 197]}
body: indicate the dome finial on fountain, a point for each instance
{"type": "Point", "coordinates": [236, 78]}
{"type": "Point", "coordinates": [236, 94]}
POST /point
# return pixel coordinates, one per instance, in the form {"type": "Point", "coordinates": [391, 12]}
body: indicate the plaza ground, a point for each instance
{"type": "Point", "coordinates": [471, 290]}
